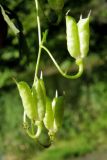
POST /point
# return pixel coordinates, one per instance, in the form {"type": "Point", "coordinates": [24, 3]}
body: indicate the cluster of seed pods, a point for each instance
{"type": "Point", "coordinates": [40, 109]}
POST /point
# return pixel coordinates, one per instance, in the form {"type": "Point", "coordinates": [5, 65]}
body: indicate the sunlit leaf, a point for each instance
{"type": "Point", "coordinates": [9, 21]}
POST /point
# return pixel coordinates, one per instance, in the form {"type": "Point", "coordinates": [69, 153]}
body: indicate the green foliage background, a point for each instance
{"type": "Point", "coordinates": [85, 121]}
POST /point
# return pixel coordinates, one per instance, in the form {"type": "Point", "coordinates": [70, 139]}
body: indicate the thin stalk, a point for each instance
{"type": "Point", "coordinates": [38, 22]}
{"type": "Point", "coordinates": [37, 63]}
{"type": "Point", "coordinates": [39, 130]}
{"type": "Point", "coordinates": [37, 134]}
{"type": "Point", "coordinates": [39, 39]}
{"type": "Point", "coordinates": [79, 63]}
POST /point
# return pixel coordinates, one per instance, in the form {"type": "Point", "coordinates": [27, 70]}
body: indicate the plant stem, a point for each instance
{"type": "Point", "coordinates": [37, 63]}
{"type": "Point", "coordinates": [32, 126]}
{"type": "Point", "coordinates": [38, 22]}
{"type": "Point", "coordinates": [78, 62]}
{"type": "Point", "coordinates": [38, 132]}
{"type": "Point", "coordinates": [39, 39]}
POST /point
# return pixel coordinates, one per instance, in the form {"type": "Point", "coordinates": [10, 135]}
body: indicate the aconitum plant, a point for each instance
{"type": "Point", "coordinates": [39, 110]}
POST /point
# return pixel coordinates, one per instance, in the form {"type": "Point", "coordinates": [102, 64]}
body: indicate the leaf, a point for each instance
{"type": "Point", "coordinates": [44, 36]}
{"type": "Point", "coordinates": [9, 21]}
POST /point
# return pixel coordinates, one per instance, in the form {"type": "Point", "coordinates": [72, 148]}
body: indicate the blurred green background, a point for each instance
{"type": "Point", "coordinates": [84, 127]}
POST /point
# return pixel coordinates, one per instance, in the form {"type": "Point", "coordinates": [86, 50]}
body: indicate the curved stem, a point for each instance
{"type": "Point", "coordinates": [39, 128]}
{"type": "Point", "coordinates": [36, 136]}
{"type": "Point", "coordinates": [38, 132]}
{"type": "Point", "coordinates": [30, 134]}
{"type": "Point", "coordinates": [79, 62]}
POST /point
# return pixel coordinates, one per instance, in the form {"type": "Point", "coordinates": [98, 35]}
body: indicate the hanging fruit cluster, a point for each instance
{"type": "Point", "coordinates": [40, 109]}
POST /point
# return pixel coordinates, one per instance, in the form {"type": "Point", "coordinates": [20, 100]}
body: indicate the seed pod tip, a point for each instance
{"type": "Point", "coordinates": [41, 75]}
{"type": "Point", "coordinates": [89, 13]}
{"type": "Point", "coordinates": [80, 16]}
{"type": "Point", "coordinates": [68, 12]}
{"type": "Point", "coordinates": [15, 80]}
{"type": "Point", "coordinates": [56, 94]}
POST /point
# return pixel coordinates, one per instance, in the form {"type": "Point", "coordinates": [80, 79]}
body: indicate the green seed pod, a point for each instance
{"type": "Point", "coordinates": [34, 94]}
{"type": "Point", "coordinates": [41, 98]}
{"type": "Point", "coordinates": [56, 4]}
{"type": "Point", "coordinates": [30, 107]}
{"type": "Point", "coordinates": [43, 88]}
{"type": "Point", "coordinates": [73, 44]}
{"type": "Point", "coordinates": [57, 106]}
{"type": "Point", "coordinates": [49, 117]}
{"type": "Point", "coordinates": [84, 35]}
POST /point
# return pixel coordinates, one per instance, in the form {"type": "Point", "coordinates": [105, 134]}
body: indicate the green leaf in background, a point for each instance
{"type": "Point", "coordinates": [9, 21]}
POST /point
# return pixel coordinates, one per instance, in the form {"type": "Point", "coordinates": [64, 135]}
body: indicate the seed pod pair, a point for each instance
{"type": "Point", "coordinates": [54, 115]}
{"type": "Point", "coordinates": [77, 36]}
{"type": "Point", "coordinates": [56, 4]}
{"type": "Point", "coordinates": [39, 93]}
{"type": "Point", "coordinates": [30, 107]}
